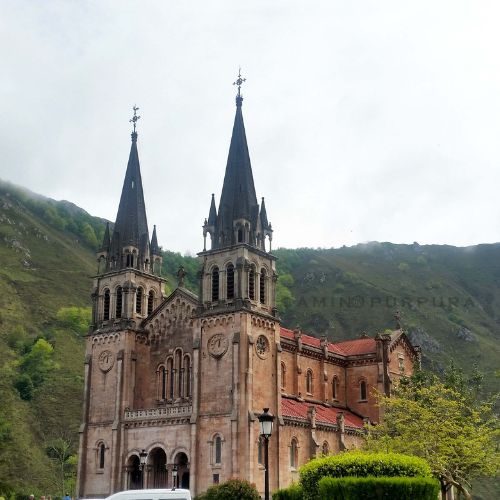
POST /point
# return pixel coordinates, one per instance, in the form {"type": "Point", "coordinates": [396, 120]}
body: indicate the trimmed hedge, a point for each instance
{"type": "Point", "coordinates": [379, 488]}
{"type": "Point", "coordinates": [359, 464]}
{"type": "Point", "coordinates": [293, 492]}
{"type": "Point", "coordinates": [234, 488]}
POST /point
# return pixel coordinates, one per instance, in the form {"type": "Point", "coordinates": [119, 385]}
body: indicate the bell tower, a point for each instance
{"type": "Point", "coordinates": [240, 330]}
{"type": "Point", "coordinates": [238, 267]}
{"type": "Point", "coordinates": [128, 286]}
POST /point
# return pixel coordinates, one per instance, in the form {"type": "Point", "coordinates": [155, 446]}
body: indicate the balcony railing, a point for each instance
{"type": "Point", "coordinates": [164, 412]}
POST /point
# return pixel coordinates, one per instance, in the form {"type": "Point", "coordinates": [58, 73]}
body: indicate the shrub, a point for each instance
{"type": "Point", "coordinates": [293, 492]}
{"type": "Point", "coordinates": [359, 464]}
{"type": "Point", "coordinates": [377, 488]}
{"type": "Point", "coordinates": [234, 488]}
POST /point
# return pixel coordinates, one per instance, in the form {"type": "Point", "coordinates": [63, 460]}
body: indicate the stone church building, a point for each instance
{"type": "Point", "coordinates": [184, 378]}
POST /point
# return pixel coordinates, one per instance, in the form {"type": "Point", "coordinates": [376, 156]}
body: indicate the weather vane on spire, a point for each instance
{"type": "Point", "coordinates": [135, 117]}
{"type": "Point", "coordinates": [239, 81]}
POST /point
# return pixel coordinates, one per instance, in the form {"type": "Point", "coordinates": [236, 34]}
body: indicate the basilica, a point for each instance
{"type": "Point", "coordinates": [174, 385]}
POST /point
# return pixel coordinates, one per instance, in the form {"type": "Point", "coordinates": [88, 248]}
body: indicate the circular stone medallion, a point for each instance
{"type": "Point", "coordinates": [217, 345]}
{"type": "Point", "coordinates": [106, 361]}
{"type": "Point", "coordinates": [262, 346]}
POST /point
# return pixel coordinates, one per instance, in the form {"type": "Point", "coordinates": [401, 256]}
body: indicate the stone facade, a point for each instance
{"type": "Point", "coordinates": [184, 378]}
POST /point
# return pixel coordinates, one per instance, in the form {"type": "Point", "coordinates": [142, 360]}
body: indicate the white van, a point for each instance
{"type": "Point", "coordinates": [154, 494]}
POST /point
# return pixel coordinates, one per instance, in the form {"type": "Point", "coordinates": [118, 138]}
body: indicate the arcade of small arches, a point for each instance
{"type": "Point", "coordinates": [129, 259]}
{"type": "Point", "coordinates": [113, 301]}
{"type": "Point", "coordinates": [174, 378]}
{"type": "Point", "coordinates": [242, 234]}
{"type": "Point", "coordinates": [224, 287]}
{"type": "Point", "coordinates": [158, 472]}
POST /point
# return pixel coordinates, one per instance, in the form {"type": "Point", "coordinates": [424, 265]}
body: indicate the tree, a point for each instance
{"type": "Point", "coordinates": [436, 421]}
{"type": "Point", "coordinates": [60, 450]}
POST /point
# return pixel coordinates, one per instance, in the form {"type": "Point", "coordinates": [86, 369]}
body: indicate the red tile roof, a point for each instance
{"type": "Point", "coordinates": [358, 346]}
{"type": "Point", "coordinates": [346, 348]}
{"type": "Point", "coordinates": [324, 414]}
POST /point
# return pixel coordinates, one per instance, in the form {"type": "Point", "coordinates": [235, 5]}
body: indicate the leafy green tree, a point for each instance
{"type": "Point", "coordinates": [436, 421]}
{"type": "Point", "coordinates": [34, 367]}
{"type": "Point", "coordinates": [60, 451]}
{"type": "Point", "coordinates": [75, 318]}
{"type": "Point", "coordinates": [284, 295]}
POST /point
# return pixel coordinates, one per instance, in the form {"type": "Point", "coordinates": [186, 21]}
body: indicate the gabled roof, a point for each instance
{"type": "Point", "coordinates": [181, 292]}
{"type": "Point", "coordinates": [324, 414]}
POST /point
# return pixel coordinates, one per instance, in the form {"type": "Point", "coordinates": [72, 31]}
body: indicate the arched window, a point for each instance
{"type": "Point", "coordinates": [102, 453]}
{"type": "Point", "coordinates": [325, 450]}
{"type": "Point", "coordinates": [335, 387]}
{"type": "Point", "coordinates": [362, 390]}
{"type": "Point", "coordinates": [240, 235]}
{"type": "Point", "coordinates": [138, 300]}
{"type": "Point", "coordinates": [187, 376]}
{"type": "Point", "coordinates": [262, 286]}
{"type": "Point", "coordinates": [218, 450]}
{"type": "Point", "coordinates": [230, 281]}
{"type": "Point", "coordinates": [170, 378]}
{"type": "Point", "coordinates": [260, 451]}
{"type": "Point", "coordinates": [283, 375]}
{"type": "Point", "coordinates": [151, 301]}
{"type": "Point", "coordinates": [119, 302]}
{"type": "Point", "coordinates": [309, 381]}
{"type": "Point", "coordinates": [294, 453]}
{"type": "Point", "coordinates": [215, 284]}
{"type": "Point", "coordinates": [251, 283]}
{"type": "Point", "coordinates": [163, 382]}
{"type": "Point", "coordinates": [106, 305]}
{"type": "Point", "coordinates": [180, 372]}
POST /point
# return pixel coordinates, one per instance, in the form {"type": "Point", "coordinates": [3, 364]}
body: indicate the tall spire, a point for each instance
{"type": "Point", "coordinates": [155, 249]}
{"type": "Point", "coordinates": [238, 199]}
{"type": "Point", "coordinates": [131, 226]}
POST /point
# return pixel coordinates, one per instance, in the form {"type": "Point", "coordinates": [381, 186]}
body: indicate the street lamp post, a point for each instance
{"type": "Point", "coordinates": [143, 458]}
{"type": "Point", "coordinates": [174, 476]}
{"type": "Point", "coordinates": [266, 429]}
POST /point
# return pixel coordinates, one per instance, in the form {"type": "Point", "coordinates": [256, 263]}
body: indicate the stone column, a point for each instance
{"type": "Point", "coordinates": [82, 452]}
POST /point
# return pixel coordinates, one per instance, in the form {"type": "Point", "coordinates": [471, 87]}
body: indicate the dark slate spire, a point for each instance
{"type": "Point", "coordinates": [212, 215]}
{"type": "Point", "coordinates": [263, 215]}
{"type": "Point", "coordinates": [155, 249]}
{"type": "Point", "coordinates": [238, 199]}
{"type": "Point", "coordinates": [106, 241]}
{"type": "Point", "coordinates": [131, 226]}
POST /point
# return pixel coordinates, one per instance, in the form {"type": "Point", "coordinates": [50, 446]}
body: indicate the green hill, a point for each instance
{"type": "Point", "coordinates": [448, 298]}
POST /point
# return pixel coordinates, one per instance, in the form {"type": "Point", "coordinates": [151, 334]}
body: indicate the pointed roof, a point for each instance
{"type": "Point", "coordinates": [131, 226]}
{"type": "Point", "coordinates": [263, 215]}
{"type": "Point", "coordinates": [106, 241]}
{"type": "Point", "coordinates": [212, 216]}
{"type": "Point", "coordinates": [238, 198]}
{"type": "Point", "coordinates": [155, 249]}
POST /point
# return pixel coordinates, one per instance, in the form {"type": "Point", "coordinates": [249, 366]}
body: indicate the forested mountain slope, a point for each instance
{"type": "Point", "coordinates": [448, 297]}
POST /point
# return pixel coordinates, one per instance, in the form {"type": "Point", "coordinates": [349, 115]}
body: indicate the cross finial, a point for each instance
{"type": "Point", "coordinates": [135, 117]}
{"type": "Point", "coordinates": [238, 82]}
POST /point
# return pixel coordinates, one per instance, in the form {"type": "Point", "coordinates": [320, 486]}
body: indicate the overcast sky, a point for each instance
{"type": "Point", "coordinates": [365, 120]}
